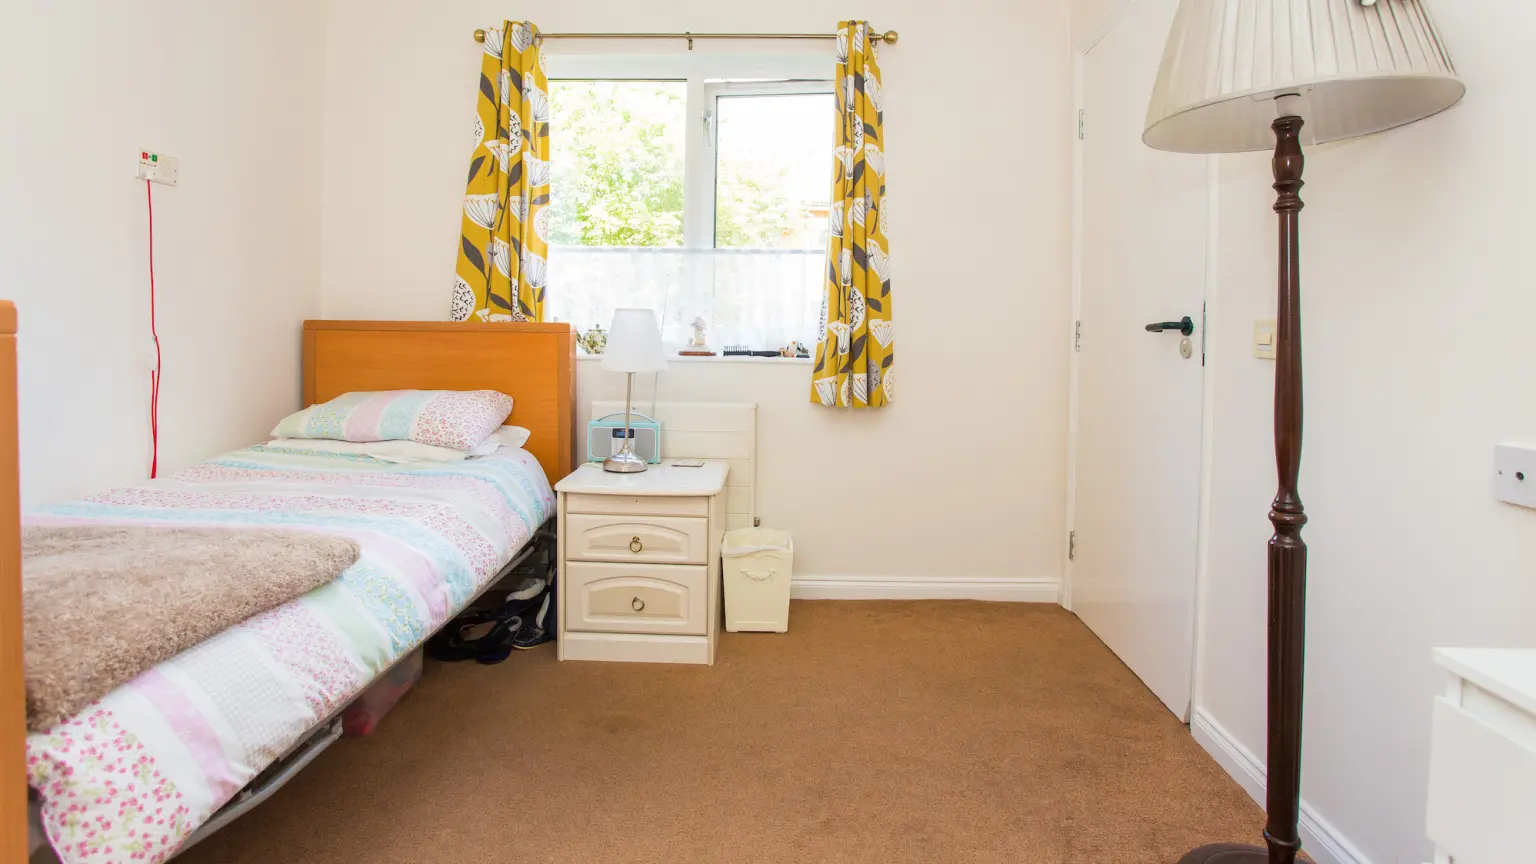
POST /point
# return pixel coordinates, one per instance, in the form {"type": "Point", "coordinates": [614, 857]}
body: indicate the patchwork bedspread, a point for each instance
{"type": "Point", "coordinates": [134, 774]}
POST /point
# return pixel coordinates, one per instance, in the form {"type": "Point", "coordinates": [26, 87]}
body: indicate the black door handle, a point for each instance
{"type": "Point", "coordinates": [1185, 325]}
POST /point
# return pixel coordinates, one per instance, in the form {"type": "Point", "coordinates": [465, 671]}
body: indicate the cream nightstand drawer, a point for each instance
{"type": "Point", "coordinates": [636, 598]}
{"type": "Point", "coordinates": [640, 505]}
{"type": "Point", "coordinates": [640, 539]}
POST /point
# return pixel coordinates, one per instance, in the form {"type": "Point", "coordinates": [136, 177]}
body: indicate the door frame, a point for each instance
{"type": "Point", "coordinates": [1111, 18]}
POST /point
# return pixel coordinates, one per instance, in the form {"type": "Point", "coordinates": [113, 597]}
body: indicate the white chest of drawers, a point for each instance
{"type": "Point", "coordinates": [640, 563]}
{"type": "Point", "coordinates": [1482, 758]}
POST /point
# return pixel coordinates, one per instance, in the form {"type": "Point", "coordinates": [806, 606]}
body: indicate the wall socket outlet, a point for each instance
{"type": "Point", "coordinates": [1514, 474]}
{"type": "Point", "coordinates": [159, 168]}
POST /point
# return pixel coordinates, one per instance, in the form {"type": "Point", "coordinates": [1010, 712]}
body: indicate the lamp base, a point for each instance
{"type": "Point", "coordinates": [624, 462]}
{"type": "Point", "coordinates": [1226, 853]}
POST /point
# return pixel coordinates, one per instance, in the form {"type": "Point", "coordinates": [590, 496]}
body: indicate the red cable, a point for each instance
{"type": "Point", "coordinates": [154, 375]}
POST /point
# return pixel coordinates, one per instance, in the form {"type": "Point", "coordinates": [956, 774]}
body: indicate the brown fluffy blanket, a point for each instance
{"type": "Point", "coordinates": [102, 603]}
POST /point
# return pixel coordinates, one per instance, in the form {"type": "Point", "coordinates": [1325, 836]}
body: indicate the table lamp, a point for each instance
{"type": "Point", "coordinates": [1240, 75]}
{"type": "Point", "coordinates": [634, 345]}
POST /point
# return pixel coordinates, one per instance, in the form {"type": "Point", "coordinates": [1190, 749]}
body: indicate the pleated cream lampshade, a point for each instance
{"type": "Point", "coordinates": [634, 343]}
{"type": "Point", "coordinates": [1357, 68]}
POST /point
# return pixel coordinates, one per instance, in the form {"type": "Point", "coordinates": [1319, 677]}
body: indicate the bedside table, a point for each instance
{"type": "Point", "coordinates": [639, 555]}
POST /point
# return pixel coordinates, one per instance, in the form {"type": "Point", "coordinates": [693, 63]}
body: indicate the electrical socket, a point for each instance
{"type": "Point", "coordinates": [159, 168]}
{"type": "Point", "coordinates": [1514, 474]}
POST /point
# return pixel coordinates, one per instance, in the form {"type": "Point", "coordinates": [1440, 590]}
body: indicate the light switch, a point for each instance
{"type": "Point", "coordinates": [1264, 338]}
{"type": "Point", "coordinates": [1514, 474]}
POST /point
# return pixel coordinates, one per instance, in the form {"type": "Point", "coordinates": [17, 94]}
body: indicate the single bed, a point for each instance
{"type": "Point", "coordinates": [139, 772]}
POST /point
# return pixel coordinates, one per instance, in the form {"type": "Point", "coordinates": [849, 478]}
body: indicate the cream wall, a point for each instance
{"type": "Point", "coordinates": [220, 84]}
{"type": "Point", "coordinates": [1417, 315]}
{"type": "Point", "coordinates": [1089, 15]}
{"type": "Point", "coordinates": [964, 476]}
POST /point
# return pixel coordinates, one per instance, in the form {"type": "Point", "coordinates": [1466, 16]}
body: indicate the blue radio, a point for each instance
{"type": "Point", "coordinates": [605, 435]}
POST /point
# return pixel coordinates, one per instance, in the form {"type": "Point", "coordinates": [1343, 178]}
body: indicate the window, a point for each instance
{"type": "Point", "coordinates": [618, 163]}
{"type": "Point", "coordinates": [771, 162]}
{"type": "Point", "coordinates": [695, 186]}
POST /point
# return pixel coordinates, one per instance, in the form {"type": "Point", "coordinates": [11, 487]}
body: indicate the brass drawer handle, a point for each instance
{"type": "Point", "coordinates": [635, 545]}
{"type": "Point", "coordinates": [637, 604]}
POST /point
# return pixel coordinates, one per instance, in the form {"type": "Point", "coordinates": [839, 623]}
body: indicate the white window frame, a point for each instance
{"type": "Point", "coordinates": [803, 72]}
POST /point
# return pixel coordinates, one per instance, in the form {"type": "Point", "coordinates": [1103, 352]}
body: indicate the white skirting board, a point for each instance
{"type": "Point", "coordinates": [1318, 838]}
{"type": "Point", "coordinates": [1008, 589]}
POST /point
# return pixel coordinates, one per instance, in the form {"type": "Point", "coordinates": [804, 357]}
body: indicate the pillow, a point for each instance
{"type": "Point", "coordinates": [387, 451]}
{"type": "Point", "coordinates": [456, 419]}
{"type": "Point", "coordinates": [510, 437]}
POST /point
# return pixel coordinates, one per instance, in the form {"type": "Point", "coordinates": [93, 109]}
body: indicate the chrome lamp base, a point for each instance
{"type": "Point", "coordinates": [624, 462]}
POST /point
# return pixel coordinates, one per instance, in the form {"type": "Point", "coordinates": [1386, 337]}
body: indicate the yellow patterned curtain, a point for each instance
{"type": "Point", "coordinates": [503, 247]}
{"type": "Point", "coordinates": [856, 348]}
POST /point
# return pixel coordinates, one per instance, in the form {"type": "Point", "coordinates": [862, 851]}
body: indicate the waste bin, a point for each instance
{"type": "Point", "coordinates": [756, 571]}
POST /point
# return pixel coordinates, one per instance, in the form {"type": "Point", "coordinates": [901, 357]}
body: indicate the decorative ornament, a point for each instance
{"type": "Point", "coordinates": [594, 341]}
{"type": "Point", "coordinates": [698, 344]}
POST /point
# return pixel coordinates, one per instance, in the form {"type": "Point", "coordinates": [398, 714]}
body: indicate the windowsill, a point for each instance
{"type": "Point", "coordinates": [674, 358]}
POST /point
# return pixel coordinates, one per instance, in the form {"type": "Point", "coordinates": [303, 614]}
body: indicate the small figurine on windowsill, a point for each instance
{"type": "Point", "coordinates": [795, 349]}
{"type": "Point", "coordinates": [698, 346]}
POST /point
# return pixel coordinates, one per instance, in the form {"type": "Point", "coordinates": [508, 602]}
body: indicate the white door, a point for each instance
{"type": "Point", "coordinates": [1142, 261]}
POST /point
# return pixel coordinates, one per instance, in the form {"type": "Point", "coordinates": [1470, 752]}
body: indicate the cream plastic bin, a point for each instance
{"type": "Point", "coordinates": [756, 574]}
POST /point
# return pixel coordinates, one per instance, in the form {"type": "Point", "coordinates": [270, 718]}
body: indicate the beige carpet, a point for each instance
{"type": "Point", "coordinates": [879, 732]}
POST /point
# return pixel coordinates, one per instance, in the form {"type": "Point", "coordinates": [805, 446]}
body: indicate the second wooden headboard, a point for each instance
{"type": "Point", "coordinates": [532, 363]}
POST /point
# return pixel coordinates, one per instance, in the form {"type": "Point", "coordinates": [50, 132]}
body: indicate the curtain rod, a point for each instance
{"type": "Point", "coordinates": [888, 37]}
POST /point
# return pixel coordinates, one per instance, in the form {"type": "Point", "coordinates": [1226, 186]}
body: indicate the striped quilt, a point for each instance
{"type": "Point", "coordinates": [134, 774]}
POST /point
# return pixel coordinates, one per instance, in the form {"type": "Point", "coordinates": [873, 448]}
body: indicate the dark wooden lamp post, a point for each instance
{"type": "Point", "coordinates": [1243, 75]}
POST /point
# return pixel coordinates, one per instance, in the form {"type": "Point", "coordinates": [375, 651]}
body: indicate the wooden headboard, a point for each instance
{"type": "Point", "coordinates": [532, 363]}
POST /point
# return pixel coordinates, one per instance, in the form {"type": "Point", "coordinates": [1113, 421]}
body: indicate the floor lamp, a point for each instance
{"type": "Point", "coordinates": [1242, 75]}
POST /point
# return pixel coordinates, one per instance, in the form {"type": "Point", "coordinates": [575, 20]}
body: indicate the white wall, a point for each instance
{"type": "Point", "coordinates": [1089, 15]}
{"type": "Point", "coordinates": [917, 490]}
{"type": "Point", "coordinates": [1417, 311]}
{"type": "Point", "coordinates": [237, 245]}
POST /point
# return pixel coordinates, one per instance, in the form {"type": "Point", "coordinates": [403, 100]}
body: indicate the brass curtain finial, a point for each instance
{"type": "Point", "coordinates": [888, 37]}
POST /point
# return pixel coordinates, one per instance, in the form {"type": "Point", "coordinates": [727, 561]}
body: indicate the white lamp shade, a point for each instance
{"type": "Point", "coordinates": [634, 342]}
{"type": "Point", "coordinates": [1357, 68]}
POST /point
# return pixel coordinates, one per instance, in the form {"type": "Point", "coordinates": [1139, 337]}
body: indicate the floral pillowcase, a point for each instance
{"type": "Point", "coordinates": [457, 419]}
